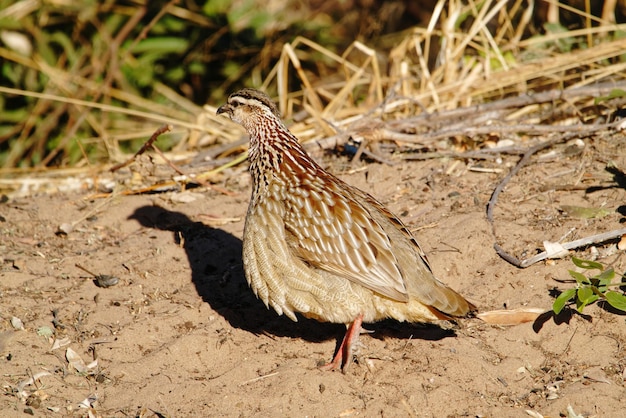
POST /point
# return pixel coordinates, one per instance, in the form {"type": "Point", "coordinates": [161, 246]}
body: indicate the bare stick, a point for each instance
{"type": "Point", "coordinates": [256, 379]}
{"type": "Point", "coordinates": [494, 198]}
{"type": "Point", "coordinates": [522, 162]}
{"type": "Point", "coordinates": [390, 131]}
{"type": "Point", "coordinates": [583, 242]}
{"type": "Point", "coordinates": [195, 179]}
{"type": "Point", "coordinates": [168, 162]}
{"type": "Point", "coordinates": [525, 128]}
{"type": "Point", "coordinates": [148, 144]}
{"type": "Point", "coordinates": [508, 103]}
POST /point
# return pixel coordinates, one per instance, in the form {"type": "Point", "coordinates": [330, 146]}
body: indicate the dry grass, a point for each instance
{"type": "Point", "coordinates": [466, 55]}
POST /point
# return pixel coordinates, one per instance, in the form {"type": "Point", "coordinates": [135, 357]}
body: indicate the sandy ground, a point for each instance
{"type": "Point", "coordinates": [182, 335]}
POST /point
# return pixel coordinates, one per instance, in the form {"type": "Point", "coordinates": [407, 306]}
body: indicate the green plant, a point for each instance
{"type": "Point", "coordinates": [158, 58]}
{"type": "Point", "coordinates": [591, 289]}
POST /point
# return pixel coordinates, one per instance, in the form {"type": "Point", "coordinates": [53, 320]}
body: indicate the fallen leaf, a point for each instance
{"type": "Point", "coordinates": [571, 413]}
{"type": "Point", "coordinates": [186, 197]}
{"type": "Point", "coordinates": [17, 323]}
{"type": "Point", "coordinates": [45, 331]}
{"type": "Point", "coordinates": [510, 316]}
{"type": "Point", "coordinates": [65, 229]}
{"type": "Point", "coordinates": [30, 381]}
{"type": "Point", "coordinates": [75, 361]}
{"type": "Point", "coordinates": [212, 220]}
{"type": "Point", "coordinates": [60, 343]}
{"type": "Point", "coordinates": [555, 250]}
{"type": "Point", "coordinates": [596, 374]}
{"type": "Point", "coordinates": [584, 213]}
{"type": "Point", "coordinates": [88, 401]}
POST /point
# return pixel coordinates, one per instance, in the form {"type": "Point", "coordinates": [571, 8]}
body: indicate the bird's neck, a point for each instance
{"type": "Point", "coordinates": [273, 151]}
{"type": "Point", "coordinates": [269, 145]}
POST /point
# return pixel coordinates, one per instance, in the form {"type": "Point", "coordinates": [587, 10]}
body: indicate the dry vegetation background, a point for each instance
{"type": "Point", "coordinates": [427, 98]}
{"type": "Point", "coordinates": [84, 84]}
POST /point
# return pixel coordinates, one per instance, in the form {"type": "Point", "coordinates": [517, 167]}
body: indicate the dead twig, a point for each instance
{"type": "Point", "coordinates": [149, 144]}
{"type": "Point", "coordinates": [515, 102]}
{"type": "Point", "coordinates": [256, 379]}
{"type": "Point", "coordinates": [522, 162]}
{"type": "Point", "coordinates": [528, 129]}
{"type": "Point", "coordinates": [466, 122]}
{"type": "Point", "coordinates": [494, 196]}
{"type": "Point", "coordinates": [583, 242]}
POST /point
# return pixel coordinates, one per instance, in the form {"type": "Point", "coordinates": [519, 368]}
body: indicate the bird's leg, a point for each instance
{"type": "Point", "coordinates": [343, 358]}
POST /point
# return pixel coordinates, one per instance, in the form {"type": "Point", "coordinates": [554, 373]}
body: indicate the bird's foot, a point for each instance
{"type": "Point", "coordinates": [345, 354]}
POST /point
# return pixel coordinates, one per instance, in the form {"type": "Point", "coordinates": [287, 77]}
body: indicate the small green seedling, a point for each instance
{"type": "Point", "coordinates": [590, 289]}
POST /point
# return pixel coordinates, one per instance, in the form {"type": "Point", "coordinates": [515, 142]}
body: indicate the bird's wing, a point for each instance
{"type": "Point", "coordinates": [331, 230]}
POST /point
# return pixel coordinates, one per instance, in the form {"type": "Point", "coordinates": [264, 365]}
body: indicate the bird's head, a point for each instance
{"type": "Point", "coordinates": [249, 107]}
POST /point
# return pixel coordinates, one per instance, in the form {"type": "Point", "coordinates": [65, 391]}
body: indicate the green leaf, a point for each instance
{"type": "Point", "coordinates": [606, 276]}
{"type": "Point", "coordinates": [172, 24]}
{"type": "Point", "coordinates": [215, 7]}
{"type": "Point", "coordinates": [580, 278]}
{"type": "Point", "coordinates": [584, 213]}
{"type": "Point", "coordinates": [239, 16]}
{"type": "Point", "coordinates": [585, 296]}
{"type": "Point", "coordinates": [564, 44]}
{"type": "Point", "coordinates": [616, 300]}
{"type": "Point", "coordinates": [555, 27]}
{"type": "Point", "coordinates": [44, 49]}
{"type": "Point", "coordinates": [161, 45]}
{"type": "Point", "coordinates": [112, 24]}
{"type": "Point", "coordinates": [261, 22]}
{"type": "Point", "coordinates": [230, 68]}
{"type": "Point", "coordinates": [598, 291]}
{"type": "Point", "coordinates": [175, 74]}
{"type": "Point", "coordinates": [11, 23]}
{"type": "Point", "coordinates": [196, 67]}
{"type": "Point", "coordinates": [562, 299]}
{"type": "Point", "coordinates": [614, 94]}
{"type": "Point", "coordinates": [587, 264]}
{"type": "Point", "coordinates": [14, 116]}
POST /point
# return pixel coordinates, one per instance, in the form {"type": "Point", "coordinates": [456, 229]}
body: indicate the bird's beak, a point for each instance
{"type": "Point", "coordinates": [225, 108]}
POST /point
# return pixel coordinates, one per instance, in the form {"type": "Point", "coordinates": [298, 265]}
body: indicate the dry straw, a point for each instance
{"type": "Point", "coordinates": [468, 54]}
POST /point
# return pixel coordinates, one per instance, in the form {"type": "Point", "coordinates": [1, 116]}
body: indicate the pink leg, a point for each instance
{"type": "Point", "coordinates": [343, 358]}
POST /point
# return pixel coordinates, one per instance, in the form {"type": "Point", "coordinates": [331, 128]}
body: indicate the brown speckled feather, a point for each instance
{"type": "Point", "coordinates": [316, 245]}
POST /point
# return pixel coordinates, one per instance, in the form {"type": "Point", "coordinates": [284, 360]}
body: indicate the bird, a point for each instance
{"type": "Point", "coordinates": [317, 246]}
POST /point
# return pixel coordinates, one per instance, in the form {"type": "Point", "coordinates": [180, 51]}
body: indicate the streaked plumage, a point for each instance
{"type": "Point", "coordinates": [316, 245]}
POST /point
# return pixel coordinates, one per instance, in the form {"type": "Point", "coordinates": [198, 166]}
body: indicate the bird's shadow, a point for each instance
{"type": "Point", "coordinates": [214, 257]}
